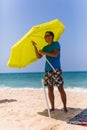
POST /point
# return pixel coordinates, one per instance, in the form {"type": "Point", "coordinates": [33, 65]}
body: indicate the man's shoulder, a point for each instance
{"type": "Point", "coordinates": [55, 42]}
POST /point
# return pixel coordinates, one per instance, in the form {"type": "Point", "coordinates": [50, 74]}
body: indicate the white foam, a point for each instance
{"type": "Point", "coordinates": [69, 88]}
{"type": "Point", "coordinates": [2, 87]}
{"type": "Point", "coordinates": [76, 89]}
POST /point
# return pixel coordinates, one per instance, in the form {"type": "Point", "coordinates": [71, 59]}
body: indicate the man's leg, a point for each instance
{"type": "Point", "coordinates": [63, 97]}
{"type": "Point", "coordinates": [51, 96]}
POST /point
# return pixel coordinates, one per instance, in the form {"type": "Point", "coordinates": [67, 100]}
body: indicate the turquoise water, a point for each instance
{"type": "Point", "coordinates": [72, 80]}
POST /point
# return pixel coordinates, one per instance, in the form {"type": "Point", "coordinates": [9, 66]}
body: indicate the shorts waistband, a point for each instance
{"type": "Point", "coordinates": [53, 70]}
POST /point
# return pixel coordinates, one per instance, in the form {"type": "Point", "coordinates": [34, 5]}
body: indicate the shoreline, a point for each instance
{"type": "Point", "coordinates": [75, 89]}
{"type": "Point", "coordinates": [26, 109]}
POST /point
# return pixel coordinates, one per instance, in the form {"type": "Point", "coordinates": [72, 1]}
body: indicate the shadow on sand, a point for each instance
{"type": "Point", "coordinates": [59, 114]}
{"type": "Point", "coordinates": [7, 100]}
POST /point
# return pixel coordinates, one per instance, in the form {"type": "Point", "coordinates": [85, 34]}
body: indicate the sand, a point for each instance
{"type": "Point", "coordinates": [25, 109]}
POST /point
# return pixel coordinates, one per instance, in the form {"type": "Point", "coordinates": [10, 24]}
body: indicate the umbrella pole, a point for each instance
{"type": "Point", "coordinates": [46, 99]}
{"type": "Point", "coordinates": [49, 64]}
{"type": "Point", "coordinates": [44, 87]}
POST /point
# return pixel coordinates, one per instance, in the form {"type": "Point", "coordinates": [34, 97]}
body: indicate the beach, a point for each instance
{"type": "Point", "coordinates": [25, 109]}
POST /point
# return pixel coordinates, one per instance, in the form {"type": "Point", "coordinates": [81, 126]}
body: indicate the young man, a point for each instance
{"type": "Point", "coordinates": [52, 78]}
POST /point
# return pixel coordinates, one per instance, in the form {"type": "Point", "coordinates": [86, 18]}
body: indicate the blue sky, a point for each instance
{"type": "Point", "coordinates": [18, 16]}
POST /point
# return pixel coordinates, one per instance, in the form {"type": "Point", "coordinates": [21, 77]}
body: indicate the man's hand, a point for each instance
{"type": "Point", "coordinates": [41, 52]}
{"type": "Point", "coordinates": [34, 43]}
{"type": "Point", "coordinates": [36, 50]}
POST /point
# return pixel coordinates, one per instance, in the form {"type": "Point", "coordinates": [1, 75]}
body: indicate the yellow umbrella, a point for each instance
{"type": "Point", "coordinates": [23, 53]}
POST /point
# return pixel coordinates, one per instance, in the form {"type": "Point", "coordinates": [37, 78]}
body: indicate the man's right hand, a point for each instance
{"type": "Point", "coordinates": [36, 50]}
{"type": "Point", "coordinates": [34, 43]}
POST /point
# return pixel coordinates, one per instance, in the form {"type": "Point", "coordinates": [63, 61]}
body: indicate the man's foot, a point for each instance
{"type": "Point", "coordinates": [65, 109]}
{"type": "Point", "coordinates": [52, 109]}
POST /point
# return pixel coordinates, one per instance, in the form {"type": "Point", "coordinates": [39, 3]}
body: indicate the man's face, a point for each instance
{"type": "Point", "coordinates": [48, 38]}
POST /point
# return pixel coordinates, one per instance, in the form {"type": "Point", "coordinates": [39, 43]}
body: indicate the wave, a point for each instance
{"type": "Point", "coordinates": [76, 89]}
{"type": "Point", "coordinates": [68, 88]}
{"type": "Point", "coordinates": [2, 87]}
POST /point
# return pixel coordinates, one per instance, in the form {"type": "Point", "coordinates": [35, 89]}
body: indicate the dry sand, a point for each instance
{"type": "Point", "coordinates": [24, 109]}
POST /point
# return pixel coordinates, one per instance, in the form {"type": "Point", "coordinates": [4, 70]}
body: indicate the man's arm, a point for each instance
{"type": "Point", "coordinates": [53, 54]}
{"type": "Point", "coordinates": [36, 50]}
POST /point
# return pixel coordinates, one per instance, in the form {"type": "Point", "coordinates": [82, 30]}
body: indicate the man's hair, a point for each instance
{"type": "Point", "coordinates": [51, 33]}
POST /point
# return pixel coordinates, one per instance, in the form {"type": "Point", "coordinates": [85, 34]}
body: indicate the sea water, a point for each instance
{"type": "Point", "coordinates": [72, 80]}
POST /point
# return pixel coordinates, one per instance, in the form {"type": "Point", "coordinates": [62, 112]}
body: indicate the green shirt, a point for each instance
{"type": "Point", "coordinates": [55, 61]}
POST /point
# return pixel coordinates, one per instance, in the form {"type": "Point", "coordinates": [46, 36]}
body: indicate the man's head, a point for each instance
{"type": "Point", "coordinates": [49, 36]}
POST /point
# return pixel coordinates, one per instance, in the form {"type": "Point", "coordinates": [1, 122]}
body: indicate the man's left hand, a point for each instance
{"type": "Point", "coordinates": [41, 52]}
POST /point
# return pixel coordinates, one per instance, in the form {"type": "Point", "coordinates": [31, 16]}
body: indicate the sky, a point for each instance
{"type": "Point", "coordinates": [18, 16]}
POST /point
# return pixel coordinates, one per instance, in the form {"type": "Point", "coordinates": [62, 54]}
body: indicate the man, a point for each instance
{"type": "Point", "coordinates": [52, 78]}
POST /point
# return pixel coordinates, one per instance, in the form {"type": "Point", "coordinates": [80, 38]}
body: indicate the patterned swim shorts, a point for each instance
{"type": "Point", "coordinates": [53, 78]}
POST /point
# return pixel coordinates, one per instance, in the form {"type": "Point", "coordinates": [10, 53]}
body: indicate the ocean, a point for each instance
{"type": "Point", "coordinates": [73, 81]}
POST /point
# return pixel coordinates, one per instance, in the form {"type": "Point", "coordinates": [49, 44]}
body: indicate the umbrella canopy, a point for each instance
{"type": "Point", "coordinates": [23, 53]}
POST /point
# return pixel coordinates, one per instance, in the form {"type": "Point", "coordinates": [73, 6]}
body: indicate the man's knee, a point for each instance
{"type": "Point", "coordinates": [61, 89]}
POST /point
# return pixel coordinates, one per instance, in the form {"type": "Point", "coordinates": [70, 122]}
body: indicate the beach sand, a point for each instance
{"type": "Point", "coordinates": [24, 109]}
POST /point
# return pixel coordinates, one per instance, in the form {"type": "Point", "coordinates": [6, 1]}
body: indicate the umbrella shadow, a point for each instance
{"type": "Point", "coordinates": [7, 101]}
{"type": "Point", "coordinates": [59, 114]}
